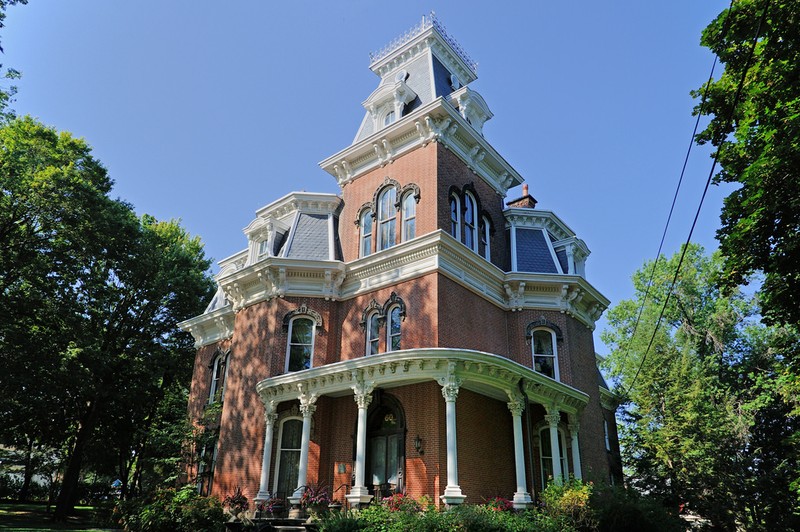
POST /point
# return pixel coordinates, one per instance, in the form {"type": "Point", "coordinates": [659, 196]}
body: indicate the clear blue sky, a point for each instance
{"type": "Point", "coordinates": [206, 111]}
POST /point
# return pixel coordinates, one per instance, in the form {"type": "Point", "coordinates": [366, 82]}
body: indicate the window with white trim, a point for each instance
{"type": "Point", "coordinates": [545, 353]}
{"type": "Point", "coordinates": [470, 225]}
{"type": "Point", "coordinates": [287, 463]}
{"type": "Point", "coordinates": [300, 348]}
{"type": "Point", "coordinates": [393, 334]}
{"type": "Point", "coordinates": [365, 225]}
{"type": "Point", "coordinates": [263, 249]}
{"type": "Point", "coordinates": [389, 118]}
{"type": "Point", "coordinates": [546, 455]}
{"type": "Point", "coordinates": [219, 371]}
{"type": "Point", "coordinates": [605, 435]}
{"type": "Point", "coordinates": [409, 216]}
{"type": "Point", "coordinates": [206, 463]}
{"type": "Point", "coordinates": [373, 333]}
{"type": "Point", "coordinates": [387, 218]}
{"type": "Point", "coordinates": [455, 216]}
{"type": "Point", "coordinates": [485, 240]}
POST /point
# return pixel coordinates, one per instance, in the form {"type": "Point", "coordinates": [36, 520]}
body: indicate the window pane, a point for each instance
{"type": "Point", "coordinates": [289, 469]}
{"type": "Point", "coordinates": [454, 217]}
{"type": "Point", "coordinates": [394, 329]}
{"type": "Point", "coordinates": [543, 343]}
{"type": "Point", "coordinates": [373, 332]}
{"type": "Point", "coordinates": [378, 460]}
{"type": "Point", "coordinates": [391, 459]}
{"type": "Point", "coordinates": [299, 357]}
{"type": "Point", "coordinates": [302, 330]}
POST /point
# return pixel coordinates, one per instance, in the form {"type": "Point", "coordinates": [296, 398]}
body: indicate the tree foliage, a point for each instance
{"type": "Point", "coordinates": [91, 295]}
{"type": "Point", "coordinates": [703, 425]}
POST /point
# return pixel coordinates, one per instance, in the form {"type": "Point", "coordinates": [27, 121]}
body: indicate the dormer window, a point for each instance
{"type": "Point", "coordinates": [263, 249]}
{"type": "Point", "coordinates": [389, 118]}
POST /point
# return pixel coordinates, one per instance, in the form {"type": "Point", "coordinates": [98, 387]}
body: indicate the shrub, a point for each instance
{"type": "Point", "coordinates": [570, 500]}
{"type": "Point", "coordinates": [182, 510]}
{"type": "Point", "coordinates": [625, 510]}
{"type": "Point", "coordinates": [401, 503]}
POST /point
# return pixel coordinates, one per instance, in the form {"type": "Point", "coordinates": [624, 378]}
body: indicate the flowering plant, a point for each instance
{"type": "Point", "coordinates": [315, 496]}
{"type": "Point", "coordinates": [500, 504]}
{"type": "Point", "coordinates": [236, 502]}
{"type": "Point", "coordinates": [271, 506]}
{"type": "Point", "coordinates": [401, 502]}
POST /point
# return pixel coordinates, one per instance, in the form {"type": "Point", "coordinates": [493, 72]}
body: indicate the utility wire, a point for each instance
{"type": "Point", "coordinates": [649, 284]}
{"type": "Point", "coordinates": [739, 89]}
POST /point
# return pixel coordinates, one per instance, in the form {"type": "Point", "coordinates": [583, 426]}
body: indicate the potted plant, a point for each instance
{"type": "Point", "coordinates": [315, 500]}
{"type": "Point", "coordinates": [236, 503]}
{"type": "Point", "coordinates": [272, 507]}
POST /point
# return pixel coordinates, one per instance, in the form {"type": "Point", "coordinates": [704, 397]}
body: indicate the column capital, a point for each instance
{"type": "Point", "coordinates": [516, 402]}
{"type": "Point", "coordinates": [363, 393]}
{"type": "Point", "coordinates": [308, 404]}
{"type": "Point", "coordinates": [553, 419]}
{"type": "Point", "coordinates": [450, 383]}
{"type": "Point", "coordinates": [574, 428]}
{"type": "Point", "coordinates": [270, 417]}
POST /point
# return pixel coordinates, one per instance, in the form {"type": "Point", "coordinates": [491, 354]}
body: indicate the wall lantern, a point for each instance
{"type": "Point", "coordinates": [418, 445]}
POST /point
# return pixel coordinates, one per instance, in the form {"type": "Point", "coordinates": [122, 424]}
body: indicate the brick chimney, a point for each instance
{"type": "Point", "coordinates": [525, 202]}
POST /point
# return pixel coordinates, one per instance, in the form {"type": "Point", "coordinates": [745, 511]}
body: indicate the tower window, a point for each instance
{"type": "Point", "coordinates": [389, 118]}
{"type": "Point", "coordinates": [485, 240]}
{"type": "Point", "coordinates": [393, 330]}
{"type": "Point", "coordinates": [545, 356]}
{"type": "Point", "coordinates": [470, 226]}
{"type": "Point", "coordinates": [455, 217]}
{"type": "Point", "coordinates": [409, 217]}
{"type": "Point", "coordinates": [387, 218]}
{"type": "Point", "coordinates": [373, 333]}
{"type": "Point", "coordinates": [366, 233]}
{"type": "Point", "coordinates": [301, 344]}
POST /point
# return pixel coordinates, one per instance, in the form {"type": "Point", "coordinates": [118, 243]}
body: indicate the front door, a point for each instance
{"type": "Point", "coordinates": [385, 449]}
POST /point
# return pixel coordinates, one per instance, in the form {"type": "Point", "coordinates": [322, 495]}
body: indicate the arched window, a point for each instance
{"type": "Point", "coordinates": [219, 371]}
{"type": "Point", "coordinates": [409, 217]}
{"type": "Point", "coordinates": [389, 118]}
{"type": "Point", "coordinates": [206, 462]}
{"type": "Point", "coordinates": [373, 333]}
{"type": "Point", "coordinates": [485, 240]}
{"type": "Point", "coordinates": [300, 350]}
{"type": "Point", "coordinates": [288, 460]}
{"type": "Point", "coordinates": [546, 455]}
{"type": "Point", "coordinates": [545, 354]}
{"type": "Point", "coordinates": [393, 329]}
{"type": "Point", "coordinates": [387, 218]}
{"type": "Point", "coordinates": [366, 233]}
{"type": "Point", "coordinates": [455, 217]}
{"type": "Point", "coordinates": [470, 225]}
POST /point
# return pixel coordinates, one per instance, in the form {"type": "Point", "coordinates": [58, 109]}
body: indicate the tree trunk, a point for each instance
{"type": "Point", "coordinates": [24, 491]}
{"type": "Point", "coordinates": [68, 495]}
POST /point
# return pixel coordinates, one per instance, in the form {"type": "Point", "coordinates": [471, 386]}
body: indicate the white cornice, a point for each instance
{"type": "Point", "coordinates": [488, 374]}
{"type": "Point", "coordinates": [524, 217]}
{"type": "Point", "coordinates": [430, 253]}
{"type": "Point", "coordinates": [306, 202]}
{"type": "Point", "coordinates": [437, 121]}
{"type": "Point", "coordinates": [210, 327]}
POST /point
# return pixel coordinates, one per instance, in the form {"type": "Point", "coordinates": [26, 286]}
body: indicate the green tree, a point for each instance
{"type": "Point", "coordinates": [700, 426]}
{"type": "Point", "coordinates": [756, 144]}
{"type": "Point", "coordinates": [91, 298]}
{"type": "Point", "coordinates": [7, 92]}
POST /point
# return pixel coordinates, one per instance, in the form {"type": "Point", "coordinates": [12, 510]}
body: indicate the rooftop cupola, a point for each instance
{"type": "Point", "coordinates": [421, 65]}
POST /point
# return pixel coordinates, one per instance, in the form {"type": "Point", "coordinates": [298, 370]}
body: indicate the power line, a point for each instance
{"type": "Point", "coordinates": [685, 246]}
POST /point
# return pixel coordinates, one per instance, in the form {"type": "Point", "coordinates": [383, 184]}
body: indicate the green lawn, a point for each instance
{"type": "Point", "coordinates": [23, 517]}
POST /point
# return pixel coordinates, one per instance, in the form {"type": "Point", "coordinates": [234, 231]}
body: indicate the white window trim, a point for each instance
{"type": "Point", "coordinates": [278, 449]}
{"type": "Point", "coordinates": [487, 252]}
{"type": "Point", "coordinates": [556, 375]}
{"type": "Point", "coordinates": [389, 328]}
{"type": "Point", "coordinates": [408, 196]}
{"type": "Point", "coordinates": [457, 236]}
{"type": "Point", "coordinates": [289, 340]}
{"type": "Point", "coordinates": [605, 435]}
{"type": "Point", "coordinates": [469, 199]}
{"type": "Point", "coordinates": [367, 352]}
{"type": "Point", "coordinates": [364, 216]}
{"type": "Point", "coordinates": [389, 218]}
{"type": "Point", "coordinates": [215, 379]}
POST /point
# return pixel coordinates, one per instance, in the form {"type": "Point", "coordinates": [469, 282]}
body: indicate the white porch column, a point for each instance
{"type": "Point", "coordinates": [270, 417]}
{"type": "Point", "coordinates": [574, 427]}
{"type": "Point", "coordinates": [307, 408]}
{"type": "Point", "coordinates": [359, 494]}
{"type": "Point", "coordinates": [450, 386]}
{"type": "Point", "coordinates": [522, 499]}
{"type": "Point", "coordinates": [552, 418]}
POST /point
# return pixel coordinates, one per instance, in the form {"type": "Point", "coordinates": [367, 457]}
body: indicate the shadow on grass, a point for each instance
{"type": "Point", "coordinates": [32, 516]}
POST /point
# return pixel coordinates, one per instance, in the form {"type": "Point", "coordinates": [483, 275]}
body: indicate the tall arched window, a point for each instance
{"type": "Point", "coordinates": [546, 455]}
{"type": "Point", "coordinates": [365, 224]}
{"type": "Point", "coordinates": [470, 225]}
{"type": "Point", "coordinates": [206, 464]}
{"type": "Point", "coordinates": [288, 460]}
{"type": "Point", "coordinates": [300, 350]}
{"type": "Point", "coordinates": [373, 333]}
{"type": "Point", "coordinates": [219, 371]}
{"type": "Point", "coordinates": [387, 218]}
{"type": "Point", "coordinates": [393, 329]}
{"type": "Point", "coordinates": [455, 217]}
{"type": "Point", "coordinates": [545, 353]}
{"type": "Point", "coordinates": [409, 217]}
{"type": "Point", "coordinates": [485, 240]}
